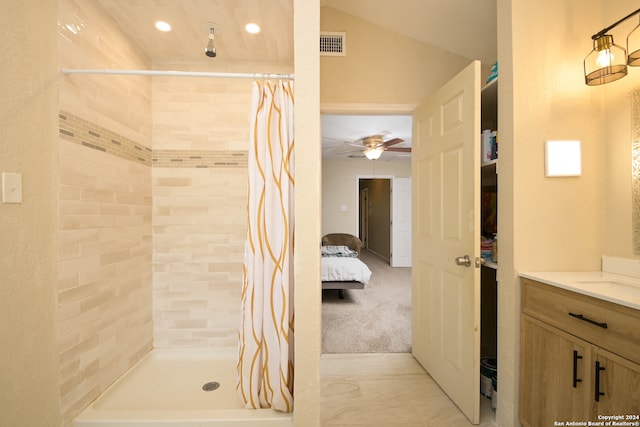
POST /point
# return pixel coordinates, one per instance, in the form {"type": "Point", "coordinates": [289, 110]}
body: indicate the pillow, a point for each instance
{"type": "Point", "coordinates": [339, 251]}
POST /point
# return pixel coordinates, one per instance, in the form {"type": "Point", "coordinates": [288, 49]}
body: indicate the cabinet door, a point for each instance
{"type": "Point", "coordinates": [618, 380]}
{"type": "Point", "coordinates": [554, 377]}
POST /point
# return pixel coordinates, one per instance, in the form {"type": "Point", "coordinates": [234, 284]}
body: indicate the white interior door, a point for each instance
{"type": "Point", "coordinates": [401, 222]}
{"type": "Point", "coordinates": [446, 226]}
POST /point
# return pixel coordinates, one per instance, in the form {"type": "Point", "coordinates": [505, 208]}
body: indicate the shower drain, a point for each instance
{"type": "Point", "coordinates": [211, 386]}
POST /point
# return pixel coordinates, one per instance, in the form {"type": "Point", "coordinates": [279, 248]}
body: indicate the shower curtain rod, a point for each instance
{"type": "Point", "coordinates": [181, 73]}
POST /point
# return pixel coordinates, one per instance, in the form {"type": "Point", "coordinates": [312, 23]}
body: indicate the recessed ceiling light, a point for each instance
{"type": "Point", "coordinates": [163, 26]}
{"type": "Point", "coordinates": [252, 28]}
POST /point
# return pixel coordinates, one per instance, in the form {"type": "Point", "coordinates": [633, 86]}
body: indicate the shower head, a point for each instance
{"type": "Point", "coordinates": [210, 50]}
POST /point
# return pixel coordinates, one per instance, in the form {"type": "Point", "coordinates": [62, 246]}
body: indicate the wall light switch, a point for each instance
{"type": "Point", "coordinates": [343, 208]}
{"type": "Point", "coordinates": [11, 187]}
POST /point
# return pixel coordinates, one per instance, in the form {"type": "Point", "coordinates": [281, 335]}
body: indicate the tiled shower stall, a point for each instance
{"type": "Point", "coordinates": [152, 192]}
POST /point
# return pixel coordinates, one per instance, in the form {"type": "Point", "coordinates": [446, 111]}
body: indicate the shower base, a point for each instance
{"type": "Point", "coordinates": [169, 388]}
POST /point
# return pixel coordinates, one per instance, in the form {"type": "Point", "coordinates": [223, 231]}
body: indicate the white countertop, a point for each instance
{"type": "Point", "coordinates": [616, 288]}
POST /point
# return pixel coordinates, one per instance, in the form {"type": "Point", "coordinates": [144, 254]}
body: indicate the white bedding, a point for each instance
{"type": "Point", "coordinates": [344, 269]}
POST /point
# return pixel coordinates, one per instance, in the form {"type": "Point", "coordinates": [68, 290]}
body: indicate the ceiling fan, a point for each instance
{"type": "Point", "coordinates": [373, 146]}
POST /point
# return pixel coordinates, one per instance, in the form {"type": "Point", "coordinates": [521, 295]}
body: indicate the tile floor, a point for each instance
{"type": "Point", "coordinates": [386, 389]}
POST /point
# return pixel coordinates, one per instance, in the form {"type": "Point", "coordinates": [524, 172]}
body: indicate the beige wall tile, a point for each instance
{"type": "Point", "coordinates": [99, 99]}
{"type": "Point", "coordinates": [197, 278]}
{"type": "Point", "coordinates": [104, 266]}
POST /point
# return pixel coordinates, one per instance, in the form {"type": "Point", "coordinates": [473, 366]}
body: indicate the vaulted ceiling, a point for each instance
{"type": "Point", "coordinates": [464, 27]}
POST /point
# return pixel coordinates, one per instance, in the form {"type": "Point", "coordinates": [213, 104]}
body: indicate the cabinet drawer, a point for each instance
{"type": "Point", "coordinates": [585, 317]}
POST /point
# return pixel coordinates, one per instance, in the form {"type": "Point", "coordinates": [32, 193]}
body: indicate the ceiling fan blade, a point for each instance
{"type": "Point", "coordinates": [334, 139]}
{"type": "Point", "coordinates": [391, 142]}
{"type": "Point", "coordinates": [399, 149]}
{"type": "Point", "coordinates": [356, 144]}
{"type": "Point", "coordinates": [345, 150]}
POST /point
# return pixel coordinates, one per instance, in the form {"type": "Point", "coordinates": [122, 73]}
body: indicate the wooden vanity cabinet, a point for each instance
{"type": "Point", "coordinates": [620, 383]}
{"type": "Point", "coordinates": [567, 356]}
{"type": "Point", "coordinates": [547, 375]}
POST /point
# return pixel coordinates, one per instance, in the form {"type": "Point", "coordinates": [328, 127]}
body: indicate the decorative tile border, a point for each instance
{"type": "Point", "coordinates": [80, 131]}
{"type": "Point", "coordinates": [74, 129]}
{"type": "Point", "coordinates": [199, 159]}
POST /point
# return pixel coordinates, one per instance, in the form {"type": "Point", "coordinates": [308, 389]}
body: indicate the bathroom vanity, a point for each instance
{"type": "Point", "coordinates": [580, 348]}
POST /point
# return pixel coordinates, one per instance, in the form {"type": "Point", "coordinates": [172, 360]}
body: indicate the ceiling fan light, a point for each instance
{"type": "Point", "coordinates": [373, 153]}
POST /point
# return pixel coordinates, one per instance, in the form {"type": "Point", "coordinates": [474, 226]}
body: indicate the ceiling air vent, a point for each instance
{"type": "Point", "coordinates": [333, 43]}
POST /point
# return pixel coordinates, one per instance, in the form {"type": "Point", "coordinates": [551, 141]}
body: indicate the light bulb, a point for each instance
{"type": "Point", "coordinates": [605, 58]}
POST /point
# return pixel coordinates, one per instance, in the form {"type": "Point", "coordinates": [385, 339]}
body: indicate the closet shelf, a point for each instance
{"type": "Point", "coordinates": [491, 264]}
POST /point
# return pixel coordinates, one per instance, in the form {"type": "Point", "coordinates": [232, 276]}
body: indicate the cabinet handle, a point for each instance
{"type": "Point", "coordinates": [576, 380]}
{"type": "Point", "coordinates": [603, 325]}
{"type": "Point", "coordinates": [598, 393]}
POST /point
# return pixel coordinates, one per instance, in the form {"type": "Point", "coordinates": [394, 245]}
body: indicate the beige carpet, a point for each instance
{"type": "Point", "coordinates": [376, 319]}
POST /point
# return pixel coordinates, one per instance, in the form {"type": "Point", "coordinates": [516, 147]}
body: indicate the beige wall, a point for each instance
{"type": "Point", "coordinates": [340, 187]}
{"type": "Point", "coordinates": [104, 245]}
{"type": "Point", "coordinates": [508, 294]}
{"type": "Point", "coordinates": [544, 223]}
{"type": "Point", "coordinates": [308, 295]}
{"type": "Point", "coordinates": [381, 66]}
{"type": "Point", "coordinates": [28, 128]}
{"type": "Point", "coordinates": [556, 223]}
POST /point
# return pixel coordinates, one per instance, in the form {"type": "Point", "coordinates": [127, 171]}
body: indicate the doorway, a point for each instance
{"type": "Point", "coordinates": [375, 216]}
{"type": "Point", "coordinates": [346, 169]}
{"type": "Point", "coordinates": [357, 198]}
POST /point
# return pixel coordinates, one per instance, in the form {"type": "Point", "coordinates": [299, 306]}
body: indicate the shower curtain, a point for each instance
{"type": "Point", "coordinates": [265, 363]}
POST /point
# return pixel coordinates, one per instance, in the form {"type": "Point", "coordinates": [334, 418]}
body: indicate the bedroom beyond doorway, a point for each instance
{"type": "Point", "coordinates": [376, 319]}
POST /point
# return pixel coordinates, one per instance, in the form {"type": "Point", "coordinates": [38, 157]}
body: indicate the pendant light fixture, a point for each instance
{"type": "Point", "coordinates": [607, 62]}
{"type": "Point", "coordinates": [633, 46]}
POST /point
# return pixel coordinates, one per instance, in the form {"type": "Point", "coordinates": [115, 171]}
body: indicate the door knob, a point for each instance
{"type": "Point", "coordinates": [463, 260]}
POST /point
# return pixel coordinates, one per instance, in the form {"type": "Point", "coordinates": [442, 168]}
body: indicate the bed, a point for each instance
{"type": "Point", "coordinates": [341, 267]}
